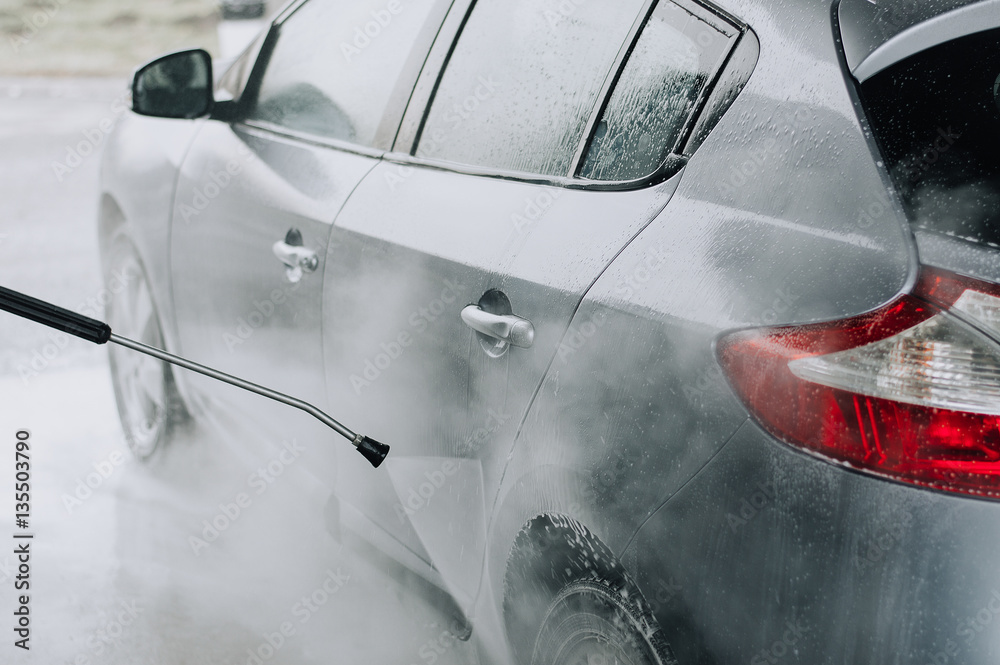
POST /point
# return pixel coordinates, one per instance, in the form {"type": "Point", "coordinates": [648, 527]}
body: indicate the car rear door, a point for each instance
{"type": "Point", "coordinates": [505, 198]}
{"type": "Point", "coordinates": [257, 197]}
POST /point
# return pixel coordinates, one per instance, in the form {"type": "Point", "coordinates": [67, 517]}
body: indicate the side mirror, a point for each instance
{"type": "Point", "coordinates": [178, 85]}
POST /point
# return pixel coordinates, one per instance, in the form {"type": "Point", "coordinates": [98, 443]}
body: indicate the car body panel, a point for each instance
{"type": "Point", "coordinates": [240, 191]}
{"type": "Point", "coordinates": [413, 246]}
{"type": "Point", "coordinates": [809, 563]}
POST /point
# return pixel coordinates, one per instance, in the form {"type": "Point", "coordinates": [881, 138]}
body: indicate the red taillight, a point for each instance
{"type": "Point", "coordinates": [910, 391]}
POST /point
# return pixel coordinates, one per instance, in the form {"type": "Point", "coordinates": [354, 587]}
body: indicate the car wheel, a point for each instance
{"type": "Point", "coordinates": [144, 391]}
{"type": "Point", "coordinates": [590, 623]}
{"type": "Point", "coordinates": [568, 601]}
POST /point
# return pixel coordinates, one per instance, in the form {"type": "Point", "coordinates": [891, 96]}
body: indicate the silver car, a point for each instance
{"type": "Point", "coordinates": [681, 317]}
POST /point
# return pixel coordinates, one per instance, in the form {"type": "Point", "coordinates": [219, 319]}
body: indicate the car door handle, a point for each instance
{"type": "Point", "coordinates": [505, 327]}
{"type": "Point", "coordinates": [294, 256]}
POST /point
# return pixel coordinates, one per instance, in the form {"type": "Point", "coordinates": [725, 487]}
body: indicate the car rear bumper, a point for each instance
{"type": "Point", "coordinates": [772, 556]}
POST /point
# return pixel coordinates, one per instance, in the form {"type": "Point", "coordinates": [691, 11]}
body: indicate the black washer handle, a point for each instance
{"type": "Point", "coordinates": [54, 317]}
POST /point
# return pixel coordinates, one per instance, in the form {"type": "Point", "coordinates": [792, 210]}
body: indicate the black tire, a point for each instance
{"type": "Point", "coordinates": [568, 601]}
{"type": "Point", "coordinates": [148, 404]}
{"type": "Point", "coordinates": [590, 622]}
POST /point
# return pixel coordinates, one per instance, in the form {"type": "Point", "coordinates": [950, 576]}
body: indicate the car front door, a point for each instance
{"type": "Point", "coordinates": [257, 197]}
{"type": "Point", "coordinates": [491, 217]}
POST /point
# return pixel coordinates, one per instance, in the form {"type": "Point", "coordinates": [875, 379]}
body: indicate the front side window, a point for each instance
{"type": "Point", "coordinates": [936, 116]}
{"type": "Point", "coordinates": [335, 64]}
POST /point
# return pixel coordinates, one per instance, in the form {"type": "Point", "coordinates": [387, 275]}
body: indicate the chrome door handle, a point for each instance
{"type": "Point", "coordinates": [296, 256]}
{"type": "Point", "coordinates": [507, 328]}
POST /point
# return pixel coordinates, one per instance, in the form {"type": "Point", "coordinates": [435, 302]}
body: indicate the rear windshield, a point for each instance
{"type": "Point", "coordinates": [936, 117]}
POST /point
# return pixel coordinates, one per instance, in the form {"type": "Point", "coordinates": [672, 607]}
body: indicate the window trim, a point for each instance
{"type": "Point", "coordinates": [671, 166]}
{"type": "Point", "coordinates": [425, 91]}
{"type": "Point", "coordinates": [719, 23]}
{"type": "Point", "coordinates": [313, 139]}
{"type": "Point", "coordinates": [444, 54]}
{"type": "Point", "coordinates": [610, 83]}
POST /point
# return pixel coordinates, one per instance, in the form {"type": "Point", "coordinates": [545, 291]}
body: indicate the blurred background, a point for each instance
{"type": "Point", "coordinates": [109, 38]}
{"type": "Point", "coordinates": [65, 66]}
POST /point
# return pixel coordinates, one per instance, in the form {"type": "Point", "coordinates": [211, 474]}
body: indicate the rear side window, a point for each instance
{"type": "Point", "coordinates": [936, 117]}
{"type": "Point", "coordinates": [335, 65]}
{"type": "Point", "coordinates": [675, 59]}
{"type": "Point", "coordinates": [523, 82]}
{"type": "Point", "coordinates": [527, 87]}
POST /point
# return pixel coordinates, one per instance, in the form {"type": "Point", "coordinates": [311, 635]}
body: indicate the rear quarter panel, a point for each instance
{"type": "Point", "coordinates": [781, 216]}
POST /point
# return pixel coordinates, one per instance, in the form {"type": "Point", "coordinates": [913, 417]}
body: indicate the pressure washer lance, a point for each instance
{"type": "Point", "coordinates": [100, 333]}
